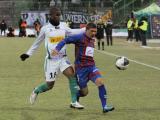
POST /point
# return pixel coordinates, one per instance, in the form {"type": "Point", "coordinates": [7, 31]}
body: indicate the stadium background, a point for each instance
{"type": "Point", "coordinates": [10, 10]}
{"type": "Point", "coordinates": [134, 92]}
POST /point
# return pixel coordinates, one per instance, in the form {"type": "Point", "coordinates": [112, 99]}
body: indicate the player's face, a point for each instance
{"type": "Point", "coordinates": [91, 32]}
{"type": "Point", "coordinates": [55, 16]}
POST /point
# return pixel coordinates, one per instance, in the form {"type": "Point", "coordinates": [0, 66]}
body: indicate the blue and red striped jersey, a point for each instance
{"type": "Point", "coordinates": [84, 49]}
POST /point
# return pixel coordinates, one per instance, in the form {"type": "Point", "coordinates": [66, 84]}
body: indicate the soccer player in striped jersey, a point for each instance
{"type": "Point", "coordinates": [52, 33]}
{"type": "Point", "coordinates": [84, 63]}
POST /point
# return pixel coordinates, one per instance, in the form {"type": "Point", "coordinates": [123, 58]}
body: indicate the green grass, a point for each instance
{"type": "Point", "coordinates": [135, 92]}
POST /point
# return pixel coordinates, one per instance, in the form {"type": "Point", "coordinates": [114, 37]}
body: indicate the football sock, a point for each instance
{"type": "Point", "coordinates": [73, 88]}
{"type": "Point", "coordinates": [102, 95]}
{"type": "Point", "coordinates": [41, 88]}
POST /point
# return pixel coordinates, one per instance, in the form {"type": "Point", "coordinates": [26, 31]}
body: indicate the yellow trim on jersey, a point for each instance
{"type": "Point", "coordinates": [56, 39]}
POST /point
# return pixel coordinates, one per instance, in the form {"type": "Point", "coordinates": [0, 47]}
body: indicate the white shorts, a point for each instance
{"type": "Point", "coordinates": [52, 67]}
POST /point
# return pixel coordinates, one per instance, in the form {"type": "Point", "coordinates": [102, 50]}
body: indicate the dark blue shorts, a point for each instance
{"type": "Point", "coordinates": [84, 74]}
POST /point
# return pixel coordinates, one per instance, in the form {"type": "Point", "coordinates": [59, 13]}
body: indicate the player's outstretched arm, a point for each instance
{"type": "Point", "coordinates": [69, 40]}
{"type": "Point", "coordinates": [37, 42]}
{"type": "Point", "coordinates": [24, 57]}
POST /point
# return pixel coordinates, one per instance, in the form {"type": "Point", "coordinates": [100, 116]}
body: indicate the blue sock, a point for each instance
{"type": "Point", "coordinates": [102, 95]}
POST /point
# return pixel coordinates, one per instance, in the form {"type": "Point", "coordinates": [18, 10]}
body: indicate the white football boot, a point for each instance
{"type": "Point", "coordinates": [76, 105]}
{"type": "Point", "coordinates": [33, 97]}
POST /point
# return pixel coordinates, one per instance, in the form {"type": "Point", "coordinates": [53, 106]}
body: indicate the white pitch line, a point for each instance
{"type": "Point", "coordinates": [144, 64]}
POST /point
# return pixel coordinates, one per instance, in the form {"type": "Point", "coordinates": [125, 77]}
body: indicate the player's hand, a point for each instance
{"type": "Point", "coordinates": [54, 52]}
{"type": "Point", "coordinates": [24, 57]}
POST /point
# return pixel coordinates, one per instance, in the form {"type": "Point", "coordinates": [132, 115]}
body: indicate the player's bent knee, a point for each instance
{"type": "Point", "coordinates": [69, 72]}
{"type": "Point", "coordinates": [99, 82]}
{"type": "Point", "coordinates": [50, 84]}
{"type": "Point", "coordinates": [84, 93]}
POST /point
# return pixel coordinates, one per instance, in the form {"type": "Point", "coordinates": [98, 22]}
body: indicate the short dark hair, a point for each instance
{"type": "Point", "coordinates": [91, 25]}
{"type": "Point", "coordinates": [53, 9]}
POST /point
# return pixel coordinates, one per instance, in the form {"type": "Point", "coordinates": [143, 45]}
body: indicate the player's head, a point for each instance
{"type": "Point", "coordinates": [91, 30]}
{"type": "Point", "coordinates": [55, 14]}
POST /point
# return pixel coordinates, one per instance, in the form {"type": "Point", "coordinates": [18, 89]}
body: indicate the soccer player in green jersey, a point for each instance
{"type": "Point", "coordinates": [52, 33]}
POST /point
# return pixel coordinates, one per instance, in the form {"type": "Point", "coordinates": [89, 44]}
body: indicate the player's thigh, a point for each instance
{"type": "Point", "coordinates": [51, 70]}
{"type": "Point", "coordinates": [66, 67]}
{"type": "Point", "coordinates": [69, 72]}
{"type": "Point", "coordinates": [82, 77]}
{"type": "Point", "coordinates": [95, 76]}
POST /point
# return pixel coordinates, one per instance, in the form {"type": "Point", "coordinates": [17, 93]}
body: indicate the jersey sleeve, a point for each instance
{"type": "Point", "coordinates": [71, 32]}
{"type": "Point", "coordinates": [69, 40]}
{"type": "Point", "coordinates": [37, 42]}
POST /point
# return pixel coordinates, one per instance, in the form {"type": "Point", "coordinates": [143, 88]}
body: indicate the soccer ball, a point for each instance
{"type": "Point", "coordinates": [122, 63]}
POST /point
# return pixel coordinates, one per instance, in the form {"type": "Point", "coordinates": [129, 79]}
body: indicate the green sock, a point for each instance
{"type": "Point", "coordinates": [73, 88]}
{"type": "Point", "coordinates": [41, 88]}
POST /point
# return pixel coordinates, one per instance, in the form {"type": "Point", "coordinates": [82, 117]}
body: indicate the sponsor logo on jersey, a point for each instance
{"type": "Point", "coordinates": [56, 39]}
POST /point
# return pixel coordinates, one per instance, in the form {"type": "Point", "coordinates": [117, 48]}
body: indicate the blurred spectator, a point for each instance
{"type": "Point", "coordinates": [130, 26]}
{"type": "Point", "coordinates": [37, 26]}
{"type": "Point", "coordinates": [100, 34]}
{"type": "Point", "coordinates": [143, 26]}
{"type": "Point", "coordinates": [19, 25]}
{"type": "Point", "coordinates": [11, 32]}
{"type": "Point", "coordinates": [3, 27]}
{"type": "Point", "coordinates": [136, 30]}
{"type": "Point", "coordinates": [108, 30]}
{"type": "Point", "coordinates": [23, 27]}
